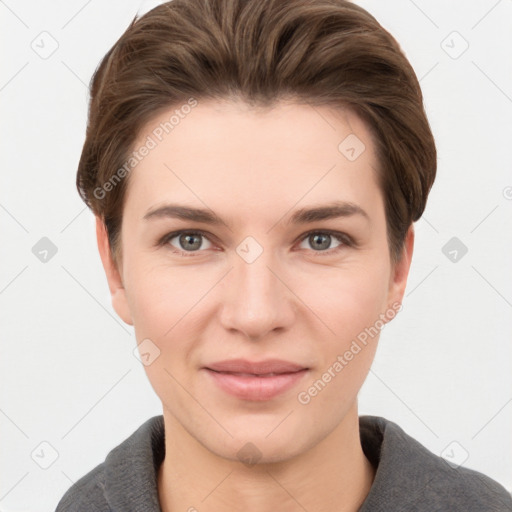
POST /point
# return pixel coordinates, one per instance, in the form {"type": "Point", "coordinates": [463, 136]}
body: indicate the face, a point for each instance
{"type": "Point", "coordinates": [288, 260]}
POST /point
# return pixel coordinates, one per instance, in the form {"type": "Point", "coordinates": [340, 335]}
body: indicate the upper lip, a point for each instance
{"type": "Point", "coordinates": [255, 367]}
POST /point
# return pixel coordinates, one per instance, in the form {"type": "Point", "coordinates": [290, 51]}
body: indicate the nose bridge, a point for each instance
{"type": "Point", "coordinates": [255, 281]}
{"type": "Point", "coordinates": [257, 300]}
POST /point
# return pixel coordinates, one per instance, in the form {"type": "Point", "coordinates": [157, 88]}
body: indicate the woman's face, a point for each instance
{"type": "Point", "coordinates": [265, 280]}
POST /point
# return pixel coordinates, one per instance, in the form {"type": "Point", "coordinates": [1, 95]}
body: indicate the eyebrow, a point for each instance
{"type": "Point", "coordinates": [302, 216]}
{"type": "Point", "coordinates": [329, 211]}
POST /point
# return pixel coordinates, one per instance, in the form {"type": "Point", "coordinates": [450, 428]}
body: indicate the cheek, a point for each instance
{"type": "Point", "coordinates": [166, 310]}
{"type": "Point", "coordinates": [350, 304]}
{"type": "Point", "coordinates": [161, 297]}
{"type": "Point", "coordinates": [349, 300]}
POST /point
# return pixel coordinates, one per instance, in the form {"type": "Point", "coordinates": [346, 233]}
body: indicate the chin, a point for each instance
{"type": "Point", "coordinates": [259, 451]}
{"type": "Point", "coordinates": [261, 444]}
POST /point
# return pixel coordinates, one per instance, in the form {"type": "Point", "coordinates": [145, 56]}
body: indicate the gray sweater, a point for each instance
{"type": "Point", "coordinates": [409, 477]}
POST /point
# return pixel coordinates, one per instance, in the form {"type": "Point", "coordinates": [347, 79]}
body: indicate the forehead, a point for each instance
{"type": "Point", "coordinates": [228, 155]}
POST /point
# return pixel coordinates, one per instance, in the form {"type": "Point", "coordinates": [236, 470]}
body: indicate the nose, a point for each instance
{"type": "Point", "coordinates": [257, 298]}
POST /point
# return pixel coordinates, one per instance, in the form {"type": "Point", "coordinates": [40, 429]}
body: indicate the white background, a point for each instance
{"type": "Point", "coordinates": [443, 369]}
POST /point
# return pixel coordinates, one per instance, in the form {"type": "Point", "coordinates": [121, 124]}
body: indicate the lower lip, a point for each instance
{"type": "Point", "coordinates": [256, 388]}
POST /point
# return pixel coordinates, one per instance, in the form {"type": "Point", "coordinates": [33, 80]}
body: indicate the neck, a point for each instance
{"type": "Point", "coordinates": [192, 478]}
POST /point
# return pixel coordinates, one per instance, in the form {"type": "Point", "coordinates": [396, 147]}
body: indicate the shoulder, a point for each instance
{"type": "Point", "coordinates": [86, 494]}
{"type": "Point", "coordinates": [408, 474]}
{"type": "Point", "coordinates": [127, 477]}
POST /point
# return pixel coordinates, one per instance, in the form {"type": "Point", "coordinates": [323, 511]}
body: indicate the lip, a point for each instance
{"type": "Point", "coordinates": [257, 381]}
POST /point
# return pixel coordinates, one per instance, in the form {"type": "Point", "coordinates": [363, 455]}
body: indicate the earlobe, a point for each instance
{"type": "Point", "coordinates": [400, 271]}
{"type": "Point", "coordinates": [114, 278]}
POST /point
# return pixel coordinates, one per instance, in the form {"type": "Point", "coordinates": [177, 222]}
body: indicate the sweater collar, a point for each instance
{"type": "Point", "coordinates": [404, 467]}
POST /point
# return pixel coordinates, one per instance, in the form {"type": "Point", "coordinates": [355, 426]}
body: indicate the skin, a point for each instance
{"type": "Point", "coordinates": [296, 301]}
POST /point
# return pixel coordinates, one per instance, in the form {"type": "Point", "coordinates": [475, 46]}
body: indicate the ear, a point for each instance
{"type": "Point", "coordinates": [115, 282]}
{"type": "Point", "coordinates": [400, 270]}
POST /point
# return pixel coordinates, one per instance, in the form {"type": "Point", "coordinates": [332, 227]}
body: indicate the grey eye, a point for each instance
{"type": "Point", "coordinates": [189, 241]}
{"type": "Point", "coordinates": [320, 241]}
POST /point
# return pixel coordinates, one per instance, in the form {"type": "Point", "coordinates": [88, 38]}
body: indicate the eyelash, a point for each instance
{"type": "Point", "coordinates": [346, 241]}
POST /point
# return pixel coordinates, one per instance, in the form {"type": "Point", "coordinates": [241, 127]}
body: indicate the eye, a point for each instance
{"type": "Point", "coordinates": [322, 240]}
{"type": "Point", "coordinates": [187, 241]}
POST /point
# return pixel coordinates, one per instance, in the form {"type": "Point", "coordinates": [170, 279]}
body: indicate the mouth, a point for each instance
{"type": "Point", "coordinates": [255, 381]}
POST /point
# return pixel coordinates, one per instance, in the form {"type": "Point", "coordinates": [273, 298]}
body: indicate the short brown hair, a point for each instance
{"type": "Point", "coordinates": [321, 52]}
